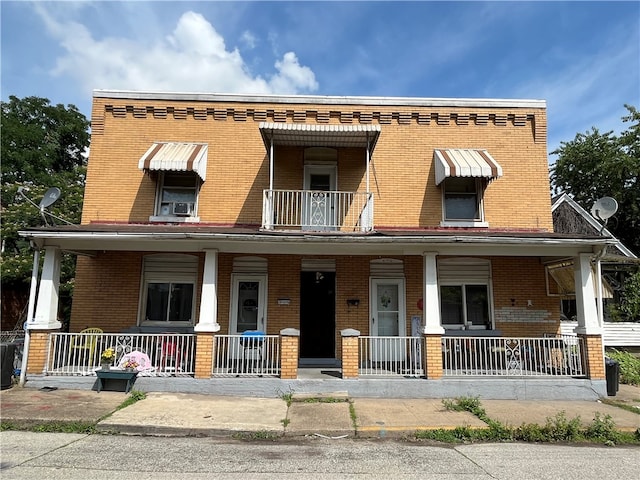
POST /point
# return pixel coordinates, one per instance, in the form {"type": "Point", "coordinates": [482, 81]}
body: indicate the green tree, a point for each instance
{"type": "Point", "coordinates": [42, 146]}
{"type": "Point", "coordinates": [595, 165]}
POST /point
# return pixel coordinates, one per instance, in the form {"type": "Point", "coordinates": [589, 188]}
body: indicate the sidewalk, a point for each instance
{"type": "Point", "coordinates": [179, 414]}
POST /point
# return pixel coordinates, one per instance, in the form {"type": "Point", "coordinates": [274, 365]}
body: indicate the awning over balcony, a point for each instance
{"type": "Point", "coordinates": [176, 156]}
{"type": "Point", "coordinates": [459, 162]}
{"type": "Point", "coordinates": [313, 135]}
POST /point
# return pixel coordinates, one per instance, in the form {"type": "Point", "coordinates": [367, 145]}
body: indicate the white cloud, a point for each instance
{"type": "Point", "coordinates": [193, 57]}
{"type": "Point", "coordinates": [248, 40]}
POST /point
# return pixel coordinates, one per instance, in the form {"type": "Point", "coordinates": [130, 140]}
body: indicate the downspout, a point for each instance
{"type": "Point", "coordinates": [30, 309]}
{"type": "Point", "coordinates": [271, 162]}
{"type": "Point", "coordinates": [368, 208]}
{"type": "Point", "coordinates": [270, 212]}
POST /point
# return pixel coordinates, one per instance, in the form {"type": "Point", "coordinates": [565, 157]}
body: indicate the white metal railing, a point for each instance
{"type": "Point", "coordinates": [239, 355]}
{"type": "Point", "coordinates": [556, 356]}
{"type": "Point", "coordinates": [10, 335]}
{"type": "Point", "coordinates": [317, 210]}
{"type": "Point", "coordinates": [170, 354]}
{"type": "Point", "coordinates": [395, 356]}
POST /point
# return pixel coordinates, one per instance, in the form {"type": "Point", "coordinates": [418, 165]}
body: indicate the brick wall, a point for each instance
{"type": "Point", "coordinates": [403, 184]}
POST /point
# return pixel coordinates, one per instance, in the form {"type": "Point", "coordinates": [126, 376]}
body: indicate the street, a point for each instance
{"type": "Point", "coordinates": [27, 455]}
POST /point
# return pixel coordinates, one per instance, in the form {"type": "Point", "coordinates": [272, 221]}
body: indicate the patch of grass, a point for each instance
{"type": "Point", "coordinates": [259, 435]}
{"type": "Point", "coordinates": [52, 427]}
{"type": "Point", "coordinates": [324, 400]}
{"type": "Point", "coordinates": [624, 406]}
{"type": "Point", "coordinates": [286, 396]}
{"type": "Point", "coordinates": [353, 416]}
{"type": "Point", "coordinates": [556, 429]}
{"type": "Point", "coordinates": [134, 396]}
{"type": "Point", "coordinates": [629, 366]}
{"type": "Point", "coordinates": [285, 422]}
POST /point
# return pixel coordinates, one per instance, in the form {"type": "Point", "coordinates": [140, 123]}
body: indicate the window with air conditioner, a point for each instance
{"type": "Point", "coordinates": [177, 195]}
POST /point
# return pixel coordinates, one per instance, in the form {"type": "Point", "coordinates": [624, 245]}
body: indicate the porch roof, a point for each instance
{"type": "Point", "coordinates": [464, 162]}
{"type": "Point", "coordinates": [176, 156]}
{"type": "Point", "coordinates": [324, 135]}
{"type": "Point", "coordinates": [193, 238]}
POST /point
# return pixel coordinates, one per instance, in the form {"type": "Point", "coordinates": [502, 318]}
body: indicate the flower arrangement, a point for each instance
{"type": "Point", "coordinates": [108, 356]}
{"type": "Point", "coordinates": [130, 364]}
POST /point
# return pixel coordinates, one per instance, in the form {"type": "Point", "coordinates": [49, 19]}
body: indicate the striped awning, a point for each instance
{"type": "Point", "coordinates": [319, 135]}
{"type": "Point", "coordinates": [464, 162]}
{"type": "Point", "coordinates": [176, 156]}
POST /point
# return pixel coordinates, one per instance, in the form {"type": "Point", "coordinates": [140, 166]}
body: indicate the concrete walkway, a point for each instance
{"type": "Point", "coordinates": [182, 414]}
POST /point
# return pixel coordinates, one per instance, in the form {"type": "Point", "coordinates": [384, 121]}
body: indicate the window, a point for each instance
{"type": "Point", "coordinates": [177, 194]}
{"type": "Point", "coordinates": [462, 199]}
{"type": "Point", "coordinates": [465, 306]}
{"type": "Point", "coordinates": [169, 285]}
{"type": "Point", "coordinates": [465, 293]}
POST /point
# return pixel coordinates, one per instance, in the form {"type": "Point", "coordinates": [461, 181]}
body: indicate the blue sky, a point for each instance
{"type": "Point", "coordinates": [583, 58]}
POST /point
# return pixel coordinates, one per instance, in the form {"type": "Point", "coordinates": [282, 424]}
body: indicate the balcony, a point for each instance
{"type": "Point", "coordinates": [316, 210]}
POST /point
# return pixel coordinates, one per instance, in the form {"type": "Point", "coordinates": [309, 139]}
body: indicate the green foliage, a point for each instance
{"type": "Point", "coordinates": [595, 165]}
{"type": "Point", "coordinates": [52, 427]}
{"type": "Point", "coordinates": [629, 366]}
{"type": "Point", "coordinates": [630, 304]}
{"type": "Point", "coordinates": [134, 396]}
{"type": "Point", "coordinates": [43, 146]}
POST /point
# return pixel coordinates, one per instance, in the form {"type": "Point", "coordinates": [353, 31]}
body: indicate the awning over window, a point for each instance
{"type": "Point", "coordinates": [324, 135]}
{"type": "Point", "coordinates": [463, 162]}
{"type": "Point", "coordinates": [176, 156]}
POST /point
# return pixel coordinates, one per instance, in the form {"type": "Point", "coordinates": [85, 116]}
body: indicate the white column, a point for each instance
{"type": "Point", "coordinates": [46, 316]}
{"type": "Point", "coordinates": [431, 303]}
{"type": "Point", "coordinates": [208, 321]}
{"type": "Point", "coordinates": [588, 323]}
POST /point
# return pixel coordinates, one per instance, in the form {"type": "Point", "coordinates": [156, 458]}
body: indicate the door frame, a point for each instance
{"type": "Point", "coordinates": [236, 278]}
{"type": "Point", "coordinates": [373, 306]}
{"type": "Point", "coordinates": [330, 169]}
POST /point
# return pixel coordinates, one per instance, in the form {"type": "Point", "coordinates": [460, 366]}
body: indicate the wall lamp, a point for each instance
{"type": "Point", "coordinates": [353, 302]}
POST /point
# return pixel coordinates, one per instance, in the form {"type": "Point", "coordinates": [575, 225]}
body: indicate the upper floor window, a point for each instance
{"type": "Point", "coordinates": [462, 199]}
{"type": "Point", "coordinates": [177, 194]}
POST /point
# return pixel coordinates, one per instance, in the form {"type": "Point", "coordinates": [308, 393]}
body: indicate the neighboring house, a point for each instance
{"type": "Point", "coordinates": [317, 219]}
{"type": "Point", "coordinates": [616, 263]}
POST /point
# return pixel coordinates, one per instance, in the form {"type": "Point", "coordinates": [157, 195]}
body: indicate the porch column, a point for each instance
{"type": "Point", "coordinates": [46, 316]}
{"type": "Point", "coordinates": [204, 355]}
{"type": "Point", "coordinates": [289, 346]}
{"type": "Point", "coordinates": [589, 327]}
{"type": "Point", "coordinates": [433, 330]}
{"type": "Point", "coordinates": [431, 303]}
{"type": "Point", "coordinates": [350, 352]}
{"type": "Point", "coordinates": [587, 312]}
{"type": "Point", "coordinates": [208, 321]}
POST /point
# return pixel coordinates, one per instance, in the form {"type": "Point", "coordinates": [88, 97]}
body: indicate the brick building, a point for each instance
{"type": "Point", "coordinates": [209, 214]}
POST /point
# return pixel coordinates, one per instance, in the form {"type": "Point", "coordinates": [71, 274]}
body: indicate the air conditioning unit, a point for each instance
{"type": "Point", "coordinates": [183, 208]}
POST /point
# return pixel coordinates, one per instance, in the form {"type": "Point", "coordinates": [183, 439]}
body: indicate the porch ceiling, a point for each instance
{"type": "Point", "coordinates": [104, 237]}
{"type": "Point", "coordinates": [307, 135]}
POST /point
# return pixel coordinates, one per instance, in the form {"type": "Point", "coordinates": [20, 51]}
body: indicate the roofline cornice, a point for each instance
{"type": "Point", "coordinates": [320, 99]}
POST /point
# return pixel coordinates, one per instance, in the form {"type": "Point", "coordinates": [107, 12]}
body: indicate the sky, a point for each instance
{"type": "Point", "coordinates": [582, 58]}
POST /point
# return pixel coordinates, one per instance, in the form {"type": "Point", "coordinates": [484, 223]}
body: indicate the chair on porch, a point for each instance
{"type": "Point", "coordinates": [85, 345]}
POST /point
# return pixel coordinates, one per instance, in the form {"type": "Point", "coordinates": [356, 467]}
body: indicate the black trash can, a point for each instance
{"type": "Point", "coordinates": [7, 358]}
{"type": "Point", "coordinates": [613, 376]}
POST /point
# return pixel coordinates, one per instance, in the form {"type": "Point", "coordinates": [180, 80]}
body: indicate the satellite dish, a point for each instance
{"type": "Point", "coordinates": [604, 208]}
{"type": "Point", "coordinates": [50, 197]}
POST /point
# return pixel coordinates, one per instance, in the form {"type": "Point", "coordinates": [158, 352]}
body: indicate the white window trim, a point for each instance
{"type": "Point", "coordinates": [468, 223]}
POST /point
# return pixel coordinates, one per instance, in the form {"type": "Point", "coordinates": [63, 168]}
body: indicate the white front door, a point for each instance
{"type": "Point", "coordinates": [387, 316]}
{"type": "Point", "coordinates": [319, 182]}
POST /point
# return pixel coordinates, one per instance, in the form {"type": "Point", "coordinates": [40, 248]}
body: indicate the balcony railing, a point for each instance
{"type": "Point", "coordinates": [556, 356]}
{"type": "Point", "coordinates": [317, 210]}
{"type": "Point", "coordinates": [246, 356]}
{"type": "Point", "coordinates": [169, 354]}
{"type": "Point", "coordinates": [391, 356]}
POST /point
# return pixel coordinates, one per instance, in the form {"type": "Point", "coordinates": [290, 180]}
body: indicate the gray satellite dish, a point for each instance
{"type": "Point", "coordinates": [604, 208]}
{"type": "Point", "coordinates": [50, 197]}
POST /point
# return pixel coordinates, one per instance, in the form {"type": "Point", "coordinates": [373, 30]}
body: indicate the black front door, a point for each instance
{"type": "Point", "coordinates": [317, 315]}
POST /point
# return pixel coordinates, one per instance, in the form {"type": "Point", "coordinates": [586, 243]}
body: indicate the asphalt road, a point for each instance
{"type": "Point", "coordinates": [51, 456]}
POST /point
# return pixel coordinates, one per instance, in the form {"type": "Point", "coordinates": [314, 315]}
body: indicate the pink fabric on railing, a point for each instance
{"type": "Point", "coordinates": [142, 359]}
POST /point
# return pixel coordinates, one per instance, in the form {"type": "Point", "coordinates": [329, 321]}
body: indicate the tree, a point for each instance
{"type": "Point", "coordinates": [594, 165]}
{"type": "Point", "coordinates": [42, 146]}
